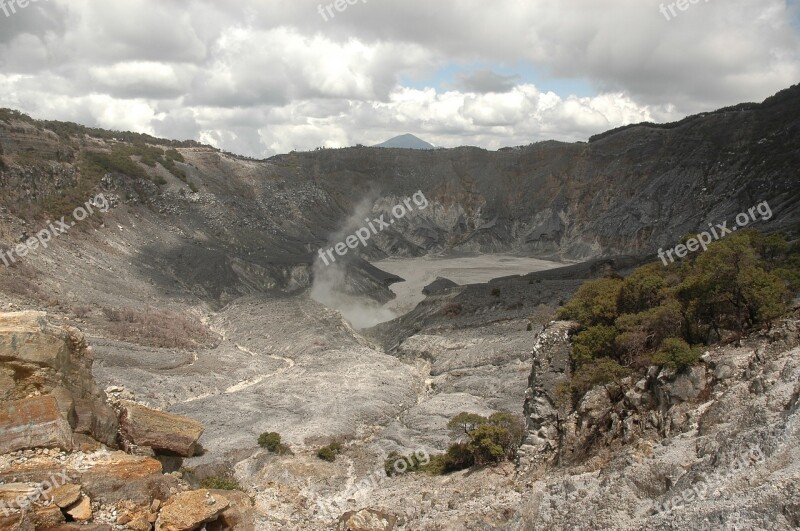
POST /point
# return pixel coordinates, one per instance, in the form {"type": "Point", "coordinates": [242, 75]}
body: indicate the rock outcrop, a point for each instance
{"type": "Point", "coordinates": [56, 471]}
{"type": "Point", "coordinates": [165, 433]}
{"type": "Point", "coordinates": [544, 409]}
{"type": "Point", "coordinates": [38, 358]}
{"type": "Point", "coordinates": [713, 446]}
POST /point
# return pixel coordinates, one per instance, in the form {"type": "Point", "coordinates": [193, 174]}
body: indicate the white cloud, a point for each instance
{"type": "Point", "coordinates": [264, 76]}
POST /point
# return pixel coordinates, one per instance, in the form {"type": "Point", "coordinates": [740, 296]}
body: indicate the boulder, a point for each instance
{"type": "Point", "coordinates": [41, 358]}
{"type": "Point", "coordinates": [33, 423]}
{"type": "Point", "coordinates": [239, 516]}
{"type": "Point", "coordinates": [82, 510]}
{"type": "Point", "coordinates": [189, 510]}
{"type": "Point", "coordinates": [66, 495]}
{"type": "Point", "coordinates": [367, 520]}
{"type": "Point", "coordinates": [163, 432]}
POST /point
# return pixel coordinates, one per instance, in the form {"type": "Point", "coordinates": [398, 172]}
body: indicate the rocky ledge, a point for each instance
{"type": "Point", "coordinates": [60, 463]}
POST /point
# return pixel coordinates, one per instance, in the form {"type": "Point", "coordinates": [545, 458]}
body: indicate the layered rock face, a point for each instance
{"type": "Point", "coordinates": [713, 446]}
{"type": "Point", "coordinates": [33, 423]}
{"type": "Point", "coordinates": [57, 435]}
{"type": "Point", "coordinates": [37, 359]}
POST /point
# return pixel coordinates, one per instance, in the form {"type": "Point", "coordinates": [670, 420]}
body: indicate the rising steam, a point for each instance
{"type": "Point", "coordinates": [330, 281]}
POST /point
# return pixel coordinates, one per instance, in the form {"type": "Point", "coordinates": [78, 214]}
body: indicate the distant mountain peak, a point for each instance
{"type": "Point", "coordinates": [406, 141]}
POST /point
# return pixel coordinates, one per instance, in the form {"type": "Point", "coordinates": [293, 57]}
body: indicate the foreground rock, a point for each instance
{"type": "Point", "coordinates": [120, 477]}
{"type": "Point", "coordinates": [189, 510]}
{"type": "Point", "coordinates": [66, 495]}
{"type": "Point", "coordinates": [50, 406]}
{"type": "Point", "coordinates": [239, 515]}
{"type": "Point", "coordinates": [81, 511]}
{"type": "Point", "coordinates": [163, 432]}
{"type": "Point", "coordinates": [38, 358]}
{"type": "Point", "coordinates": [33, 423]}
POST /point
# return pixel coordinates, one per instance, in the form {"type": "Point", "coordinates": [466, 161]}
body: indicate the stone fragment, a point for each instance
{"type": "Point", "coordinates": [239, 516]}
{"type": "Point", "coordinates": [125, 477]}
{"type": "Point", "coordinates": [81, 511]}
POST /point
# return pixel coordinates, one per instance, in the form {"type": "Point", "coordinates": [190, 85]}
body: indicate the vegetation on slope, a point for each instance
{"type": "Point", "coordinates": [665, 315]}
{"type": "Point", "coordinates": [480, 441]}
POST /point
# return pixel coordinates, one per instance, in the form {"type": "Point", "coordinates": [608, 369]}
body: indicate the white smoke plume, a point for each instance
{"type": "Point", "coordinates": [330, 281]}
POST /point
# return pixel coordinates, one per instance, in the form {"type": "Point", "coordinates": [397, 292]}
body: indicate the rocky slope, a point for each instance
{"type": "Point", "coordinates": [712, 448]}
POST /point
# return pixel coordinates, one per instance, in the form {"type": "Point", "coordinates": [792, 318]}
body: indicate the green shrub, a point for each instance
{"type": "Point", "coordinates": [495, 292]}
{"type": "Point", "coordinates": [729, 287]}
{"type": "Point", "coordinates": [594, 342]}
{"type": "Point", "coordinates": [644, 331]}
{"type": "Point", "coordinates": [465, 422]}
{"type": "Point", "coordinates": [410, 463]}
{"type": "Point", "coordinates": [269, 440]}
{"type": "Point", "coordinates": [595, 303]}
{"type": "Point", "coordinates": [174, 154]}
{"type": "Point", "coordinates": [602, 371]}
{"type": "Point", "coordinates": [486, 440]}
{"type": "Point", "coordinates": [742, 282]}
{"type": "Point", "coordinates": [676, 353]}
{"type": "Point", "coordinates": [643, 289]}
{"type": "Point", "coordinates": [329, 453]}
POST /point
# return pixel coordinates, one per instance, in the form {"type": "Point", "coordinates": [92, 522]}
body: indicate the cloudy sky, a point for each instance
{"type": "Point", "coordinates": [260, 77]}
